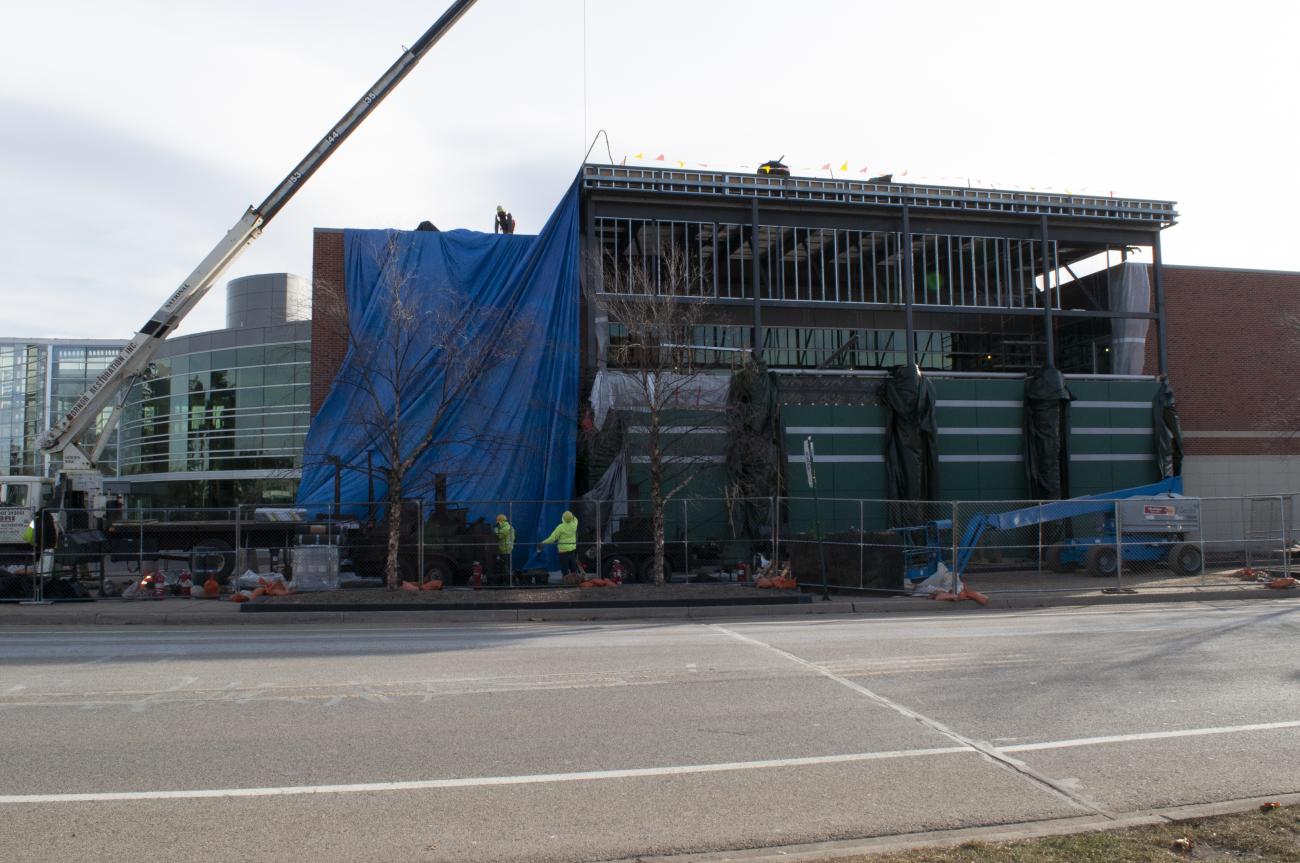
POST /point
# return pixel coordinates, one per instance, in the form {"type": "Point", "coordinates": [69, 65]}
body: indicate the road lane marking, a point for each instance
{"type": "Point", "coordinates": [1149, 735]}
{"type": "Point", "coordinates": [991, 753]}
{"type": "Point", "coordinates": [481, 781]}
{"type": "Point", "coordinates": [631, 773]}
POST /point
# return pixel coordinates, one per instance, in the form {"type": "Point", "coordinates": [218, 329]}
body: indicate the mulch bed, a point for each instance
{"type": "Point", "coordinates": [626, 594]}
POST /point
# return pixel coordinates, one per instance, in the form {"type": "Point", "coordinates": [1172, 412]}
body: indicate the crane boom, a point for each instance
{"type": "Point", "coordinates": [137, 353]}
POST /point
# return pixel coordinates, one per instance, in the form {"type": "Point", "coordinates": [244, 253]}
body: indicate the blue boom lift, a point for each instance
{"type": "Point", "coordinates": [1153, 523]}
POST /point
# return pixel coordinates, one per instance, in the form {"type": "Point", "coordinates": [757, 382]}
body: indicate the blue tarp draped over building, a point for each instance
{"type": "Point", "coordinates": [512, 437]}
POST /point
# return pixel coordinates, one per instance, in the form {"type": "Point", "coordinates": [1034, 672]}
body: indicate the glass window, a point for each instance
{"type": "Point", "coordinates": [13, 494]}
{"type": "Point", "coordinates": [279, 375]}
{"type": "Point", "coordinates": [249, 377]}
{"type": "Point", "coordinates": [279, 354]}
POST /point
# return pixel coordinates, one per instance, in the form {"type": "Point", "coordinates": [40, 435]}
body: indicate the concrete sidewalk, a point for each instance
{"type": "Point", "coordinates": [177, 611]}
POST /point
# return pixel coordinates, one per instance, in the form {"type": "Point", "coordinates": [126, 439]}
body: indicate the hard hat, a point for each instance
{"type": "Point", "coordinates": [500, 209]}
{"type": "Point", "coordinates": [501, 518]}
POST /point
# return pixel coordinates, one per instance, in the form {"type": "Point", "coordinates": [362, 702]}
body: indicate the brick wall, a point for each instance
{"type": "Point", "coordinates": [328, 324]}
{"type": "Point", "coordinates": [1232, 360]}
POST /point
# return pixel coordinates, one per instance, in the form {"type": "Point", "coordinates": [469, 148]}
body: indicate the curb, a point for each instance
{"type": "Point", "coordinates": [830, 851]}
{"type": "Point", "coordinates": [88, 615]}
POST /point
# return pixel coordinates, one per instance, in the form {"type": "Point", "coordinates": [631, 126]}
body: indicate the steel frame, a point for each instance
{"type": "Point", "coordinates": [797, 242]}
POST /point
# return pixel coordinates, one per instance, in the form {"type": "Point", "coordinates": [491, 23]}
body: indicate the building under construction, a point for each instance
{"type": "Point", "coordinates": [831, 283]}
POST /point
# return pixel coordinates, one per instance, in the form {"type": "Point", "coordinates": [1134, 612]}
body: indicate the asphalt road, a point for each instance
{"type": "Point", "coordinates": [605, 741]}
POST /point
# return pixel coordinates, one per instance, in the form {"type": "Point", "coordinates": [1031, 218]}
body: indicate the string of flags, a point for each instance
{"type": "Point", "coordinates": [844, 168]}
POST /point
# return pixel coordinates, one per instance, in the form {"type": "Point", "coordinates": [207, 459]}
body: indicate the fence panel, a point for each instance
{"type": "Point", "coordinates": [867, 544]}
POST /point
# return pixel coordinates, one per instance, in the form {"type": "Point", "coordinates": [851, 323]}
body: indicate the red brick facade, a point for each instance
{"type": "Point", "coordinates": [328, 333]}
{"type": "Point", "coordinates": [1233, 359]}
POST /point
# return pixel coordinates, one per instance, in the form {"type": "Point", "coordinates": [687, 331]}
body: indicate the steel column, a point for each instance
{"type": "Point", "coordinates": [907, 286]}
{"type": "Point", "coordinates": [1050, 341]}
{"type": "Point", "coordinates": [757, 342]}
{"type": "Point", "coordinates": [1157, 267]}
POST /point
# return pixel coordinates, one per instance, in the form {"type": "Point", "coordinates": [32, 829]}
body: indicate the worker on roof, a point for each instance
{"type": "Point", "coordinates": [565, 538]}
{"type": "Point", "coordinates": [505, 222]}
{"type": "Point", "coordinates": [505, 534]}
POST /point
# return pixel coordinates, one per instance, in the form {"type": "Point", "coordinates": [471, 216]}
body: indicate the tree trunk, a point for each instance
{"type": "Point", "coordinates": [391, 569]}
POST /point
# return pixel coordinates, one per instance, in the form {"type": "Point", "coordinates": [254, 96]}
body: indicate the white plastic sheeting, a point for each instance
{"type": "Point", "coordinates": [1130, 291]}
{"type": "Point", "coordinates": [614, 390]}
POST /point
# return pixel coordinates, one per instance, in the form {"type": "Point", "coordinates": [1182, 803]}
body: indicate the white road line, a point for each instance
{"type": "Point", "coordinates": [1149, 735]}
{"type": "Point", "coordinates": [481, 781]}
{"type": "Point", "coordinates": [987, 750]}
{"type": "Point", "coordinates": [632, 773]}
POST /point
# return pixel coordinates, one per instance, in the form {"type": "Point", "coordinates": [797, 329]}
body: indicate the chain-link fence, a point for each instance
{"type": "Point", "coordinates": [850, 544]}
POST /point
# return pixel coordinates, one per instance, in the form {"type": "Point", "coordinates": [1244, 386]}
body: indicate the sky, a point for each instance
{"type": "Point", "coordinates": [136, 132]}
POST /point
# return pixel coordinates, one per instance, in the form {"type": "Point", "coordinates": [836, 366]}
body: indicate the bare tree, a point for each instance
{"type": "Point", "coordinates": [412, 376]}
{"type": "Point", "coordinates": [662, 366]}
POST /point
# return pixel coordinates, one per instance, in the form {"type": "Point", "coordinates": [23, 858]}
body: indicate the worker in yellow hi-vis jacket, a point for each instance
{"type": "Point", "coordinates": [565, 538]}
{"type": "Point", "coordinates": [505, 533]}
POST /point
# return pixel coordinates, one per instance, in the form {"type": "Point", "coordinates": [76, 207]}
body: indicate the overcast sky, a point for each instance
{"type": "Point", "coordinates": [135, 133]}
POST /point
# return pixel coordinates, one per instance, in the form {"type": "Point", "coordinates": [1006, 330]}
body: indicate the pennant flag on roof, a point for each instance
{"type": "Point", "coordinates": [659, 158]}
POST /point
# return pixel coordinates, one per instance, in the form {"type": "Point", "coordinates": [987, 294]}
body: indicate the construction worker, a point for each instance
{"type": "Point", "coordinates": [565, 537]}
{"type": "Point", "coordinates": [505, 223]}
{"type": "Point", "coordinates": [505, 547]}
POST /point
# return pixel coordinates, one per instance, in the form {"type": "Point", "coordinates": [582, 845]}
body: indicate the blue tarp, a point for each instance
{"type": "Point", "coordinates": [515, 287]}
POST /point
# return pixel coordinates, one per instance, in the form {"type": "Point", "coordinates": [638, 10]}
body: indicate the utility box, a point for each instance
{"type": "Point", "coordinates": [1162, 515]}
{"type": "Point", "coordinates": [315, 567]}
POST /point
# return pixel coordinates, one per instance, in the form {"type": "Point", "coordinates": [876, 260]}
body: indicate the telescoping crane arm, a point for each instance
{"type": "Point", "coordinates": [144, 344]}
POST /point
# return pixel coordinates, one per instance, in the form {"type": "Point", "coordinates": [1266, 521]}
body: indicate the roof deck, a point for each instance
{"type": "Point", "coordinates": [775, 190]}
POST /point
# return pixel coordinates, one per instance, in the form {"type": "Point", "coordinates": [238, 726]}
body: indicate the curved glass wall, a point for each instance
{"type": "Point", "coordinates": [234, 409]}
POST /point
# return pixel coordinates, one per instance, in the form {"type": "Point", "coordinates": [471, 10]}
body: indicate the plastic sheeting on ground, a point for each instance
{"type": "Point", "coordinates": [494, 287]}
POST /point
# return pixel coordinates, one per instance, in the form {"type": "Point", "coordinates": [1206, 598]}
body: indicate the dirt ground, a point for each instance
{"type": "Point", "coordinates": [1266, 837]}
{"type": "Point", "coordinates": [631, 593]}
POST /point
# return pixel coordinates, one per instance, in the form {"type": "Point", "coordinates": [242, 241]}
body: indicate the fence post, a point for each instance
{"type": "Point", "coordinates": [239, 548]}
{"type": "Point", "coordinates": [1245, 530]}
{"type": "Point", "coordinates": [862, 536]}
{"type": "Point", "coordinates": [776, 528]}
{"type": "Point", "coordinates": [600, 537]}
{"type": "Point", "coordinates": [686, 537]}
{"type": "Point", "coordinates": [1119, 549]}
{"type": "Point", "coordinates": [1200, 534]}
{"type": "Point", "coordinates": [510, 558]}
{"type": "Point", "coordinates": [1286, 538]}
{"type": "Point", "coordinates": [956, 537]}
{"type": "Point", "coordinates": [419, 533]}
{"type": "Point", "coordinates": [1040, 543]}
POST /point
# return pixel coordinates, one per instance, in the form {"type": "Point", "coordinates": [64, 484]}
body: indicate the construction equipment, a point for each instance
{"type": "Point", "coordinates": [80, 480]}
{"type": "Point", "coordinates": [1154, 521]}
{"type": "Point", "coordinates": [79, 494]}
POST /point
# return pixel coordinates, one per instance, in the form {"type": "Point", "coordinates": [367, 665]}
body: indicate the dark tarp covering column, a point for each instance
{"type": "Point", "coordinates": [911, 444]}
{"type": "Point", "coordinates": [1169, 434]}
{"type": "Point", "coordinates": [755, 454]}
{"type": "Point", "coordinates": [1047, 431]}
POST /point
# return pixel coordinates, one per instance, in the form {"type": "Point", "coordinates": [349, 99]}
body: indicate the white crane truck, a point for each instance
{"type": "Point", "coordinates": [78, 494]}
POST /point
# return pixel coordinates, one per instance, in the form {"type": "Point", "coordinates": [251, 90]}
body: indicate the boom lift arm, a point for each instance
{"type": "Point", "coordinates": [135, 356]}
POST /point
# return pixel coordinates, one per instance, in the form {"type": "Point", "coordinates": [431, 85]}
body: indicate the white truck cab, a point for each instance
{"type": "Point", "coordinates": [20, 498]}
